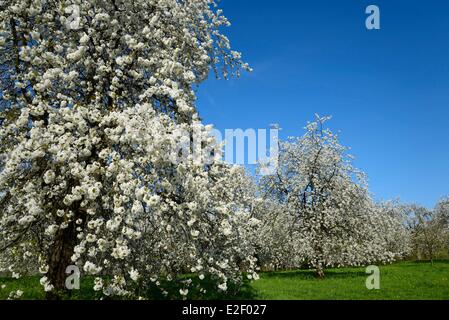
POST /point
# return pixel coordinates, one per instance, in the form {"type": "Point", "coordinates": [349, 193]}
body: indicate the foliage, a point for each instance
{"type": "Point", "coordinates": [428, 230]}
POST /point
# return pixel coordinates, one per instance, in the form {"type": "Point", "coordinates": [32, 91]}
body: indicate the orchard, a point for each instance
{"type": "Point", "coordinates": [98, 173]}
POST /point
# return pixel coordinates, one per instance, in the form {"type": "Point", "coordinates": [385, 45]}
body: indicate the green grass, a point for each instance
{"type": "Point", "coordinates": [403, 281]}
{"type": "Point", "coordinates": [32, 290]}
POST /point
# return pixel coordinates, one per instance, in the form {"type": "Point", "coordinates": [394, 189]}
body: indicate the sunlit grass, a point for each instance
{"type": "Point", "coordinates": [405, 280]}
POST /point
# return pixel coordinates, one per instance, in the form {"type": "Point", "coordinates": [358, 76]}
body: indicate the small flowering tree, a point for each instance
{"type": "Point", "coordinates": [428, 230]}
{"type": "Point", "coordinates": [328, 213]}
{"type": "Point", "coordinates": [94, 97]}
{"type": "Point", "coordinates": [442, 214]}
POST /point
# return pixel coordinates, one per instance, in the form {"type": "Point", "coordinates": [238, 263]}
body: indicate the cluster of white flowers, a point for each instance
{"type": "Point", "coordinates": [91, 268]}
{"type": "Point", "coordinates": [14, 295]}
{"type": "Point", "coordinates": [46, 284]}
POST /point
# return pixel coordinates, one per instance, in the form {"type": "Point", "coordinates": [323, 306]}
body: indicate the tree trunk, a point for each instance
{"type": "Point", "coordinates": [59, 259]}
{"type": "Point", "coordinates": [319, 270]}
{"type": "Point", "coordinates": [319, 273]}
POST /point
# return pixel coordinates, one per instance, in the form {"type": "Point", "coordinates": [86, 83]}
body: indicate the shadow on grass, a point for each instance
{"type": "Point", "coordinates": [310, 274]}
{"type": "Point", "coordinates": [243, 291]}
{"type": "Point", "coordinates": [439, 261]}
{"type": "Point", "coordinates": [34, 291]}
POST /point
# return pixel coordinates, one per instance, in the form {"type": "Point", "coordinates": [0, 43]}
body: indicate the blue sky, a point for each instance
{"type": "Point", "coordinates": [387, 90]}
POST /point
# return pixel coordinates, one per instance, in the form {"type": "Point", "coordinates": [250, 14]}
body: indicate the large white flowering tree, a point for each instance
{"type": "Point", "coordinates": [95, 96]}
{"type": "Point", "coordinates": [327, 213]}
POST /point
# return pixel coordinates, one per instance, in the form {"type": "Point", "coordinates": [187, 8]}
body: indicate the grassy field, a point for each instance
{"type": "Point", "coordinates": [404, 281]}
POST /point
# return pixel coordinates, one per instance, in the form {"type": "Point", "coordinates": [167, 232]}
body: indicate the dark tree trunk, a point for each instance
{"type": "Point", "coordinates": [59, 259]}
{"type": "Point", "coordinates": [319, 273]}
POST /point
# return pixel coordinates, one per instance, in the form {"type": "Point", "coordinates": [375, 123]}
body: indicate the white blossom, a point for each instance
{"type": "Point", "coordinates": [184, 292]}
{"type": "Point", "coordinates": [134, 274]}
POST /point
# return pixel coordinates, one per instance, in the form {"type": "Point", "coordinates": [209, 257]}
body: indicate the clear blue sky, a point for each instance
{"type": "Point", "coordinates": [387, 90]}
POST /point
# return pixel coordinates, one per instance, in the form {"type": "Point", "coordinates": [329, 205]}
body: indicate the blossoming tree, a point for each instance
{"type": "Point", "coordinates": [442, 214]}
{"type": "Point", "coordinates": [330, 219]}
{"type": "Point", "coordinates": [428, 229]}
{"type": "Point", "coordinates": [94, 97]}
